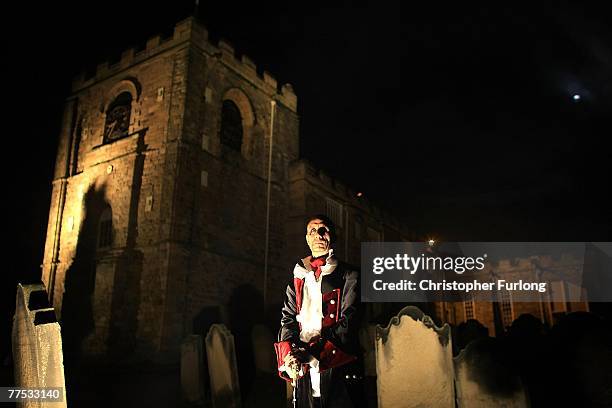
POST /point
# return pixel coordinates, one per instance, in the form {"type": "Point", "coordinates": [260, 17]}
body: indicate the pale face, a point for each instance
{"type": "Point", "coordinates": [318, 241]}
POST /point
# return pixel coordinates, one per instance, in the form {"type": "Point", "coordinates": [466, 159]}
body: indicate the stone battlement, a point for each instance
{"type": "Point", "coordinates": [189, 30]}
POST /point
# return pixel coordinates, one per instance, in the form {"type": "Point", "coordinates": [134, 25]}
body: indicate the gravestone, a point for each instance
{"type": "Point", "coordinates": [192, 369]}
{"type": "Point", "coordinates": [37, 345]}
{"type": "Point", "coordinates": [484, 377]}
{"type": "Point", "coordinates": [222, 369]}
{"type": "Point", "coordinates": [414, 363]}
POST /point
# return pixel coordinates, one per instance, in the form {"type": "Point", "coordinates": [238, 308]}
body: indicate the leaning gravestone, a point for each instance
{"type": "Point", "coordinates": [484, 377]}
{"type": "Point", "coordinates": [222, 369]}
{"type": "Point", "coordinates": [37, 346]}
{"type": "Point", "coordinates": [414, 362]}
{"type": "Point", "coordinates": [192, 358]}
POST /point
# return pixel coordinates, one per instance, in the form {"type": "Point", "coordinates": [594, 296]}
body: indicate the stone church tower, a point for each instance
{"type": "Point", "coordinates": [169, 163]}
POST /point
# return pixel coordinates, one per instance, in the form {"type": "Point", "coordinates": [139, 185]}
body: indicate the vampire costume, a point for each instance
{"type": "Point", "coordinates": [321, 317]}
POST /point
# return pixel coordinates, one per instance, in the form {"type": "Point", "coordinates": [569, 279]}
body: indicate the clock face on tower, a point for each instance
{"type": "Point", "coordinates": [118, 118]}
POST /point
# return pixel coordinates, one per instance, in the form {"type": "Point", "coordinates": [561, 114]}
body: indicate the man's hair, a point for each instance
{"type": "Point", "coordinates": [328, 222]}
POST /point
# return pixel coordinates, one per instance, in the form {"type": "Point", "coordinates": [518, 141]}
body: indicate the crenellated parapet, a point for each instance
{"type": "Point", "coordinates": [248, 69]}
{"type": "Point", "coordinates": [191, 32]}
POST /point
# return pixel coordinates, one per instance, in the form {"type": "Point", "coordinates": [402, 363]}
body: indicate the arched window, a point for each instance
{"type": "Point", "coordinates": [118, 117]}
{"type": "Point", "coordinates": [231, 125]}
{"type": "Point", "coordinates": [105, 229]}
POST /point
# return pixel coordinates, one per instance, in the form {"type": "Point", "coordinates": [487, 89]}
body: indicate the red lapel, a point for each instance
{"type": "Point", "coordinates": [298, 284]}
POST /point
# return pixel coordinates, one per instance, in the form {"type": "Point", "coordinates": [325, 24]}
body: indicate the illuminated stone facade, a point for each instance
{"type": "Point", "coordinates": [178, 200]}
{"type": "Point", "coordinates": [157, 225]}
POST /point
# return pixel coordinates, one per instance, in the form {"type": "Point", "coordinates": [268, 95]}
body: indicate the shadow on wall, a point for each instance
{"type": "Point", "coordinates": [77, 305]}
{"type": "Point", "coordinates": [102, 289]}
{"type": "Point", "coordinates": [102, 286]}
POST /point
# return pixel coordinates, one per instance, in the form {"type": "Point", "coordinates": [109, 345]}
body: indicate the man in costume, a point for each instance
{"type": "Point", "coordinates": [318, 342]}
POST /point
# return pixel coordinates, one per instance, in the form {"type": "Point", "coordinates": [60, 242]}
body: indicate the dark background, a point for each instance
{"type": "Point", "coordinates": [459, 118]}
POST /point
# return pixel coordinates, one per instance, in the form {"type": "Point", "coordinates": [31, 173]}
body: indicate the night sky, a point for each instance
{"type": "Point", "coordinates": [460, 119]}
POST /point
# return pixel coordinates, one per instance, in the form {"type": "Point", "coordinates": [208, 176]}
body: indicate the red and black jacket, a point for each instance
{"type": "Point", "coordinates": [338, 343]}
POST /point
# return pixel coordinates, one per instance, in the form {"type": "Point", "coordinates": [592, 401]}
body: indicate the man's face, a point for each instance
{"type": "Point", "coordinates": [318, 239]}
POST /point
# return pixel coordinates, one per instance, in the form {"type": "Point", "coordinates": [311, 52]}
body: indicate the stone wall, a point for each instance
{"type": "Point", "coordinates": [188, 214]}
